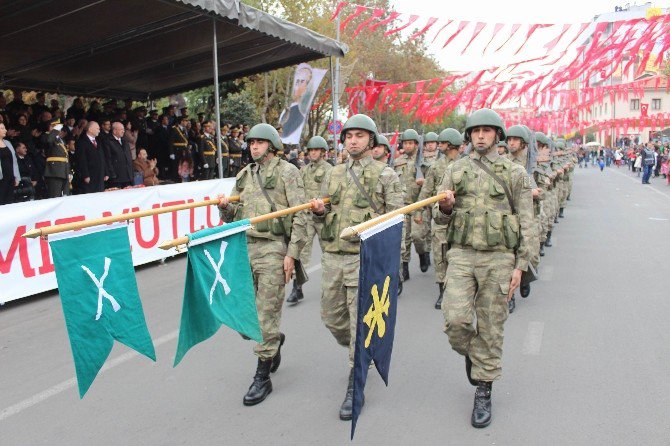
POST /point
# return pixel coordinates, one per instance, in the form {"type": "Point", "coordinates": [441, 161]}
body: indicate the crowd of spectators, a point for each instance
{"type": "Point", "coordinates": [48, 152]}
{"type": "Point", "coordinates": [650, 160]}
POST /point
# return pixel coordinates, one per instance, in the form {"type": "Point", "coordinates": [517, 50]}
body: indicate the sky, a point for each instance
{"type": "Point", "coordinates": [508, 12]}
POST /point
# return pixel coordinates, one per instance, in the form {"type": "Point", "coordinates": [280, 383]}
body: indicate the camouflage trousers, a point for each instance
{"type": "Point", "coordinates": [476, 287]}
{"type": "Point", "coordinates": [439, 240]}
{"type": "Point", "coordinates": [267, 267]}
{"type": "Point", "coordinates": [339, 298]}
{"type": "Point", "coordinates": [313, 229]}
{"type": "Point", "coordinates": [420, 245]}
{"type": "Point", "coordinates": [544, 222]}
{"type": "Point", "coordinates": [421, 234]}
{"type": "Point", "coordinates": [563, 195]}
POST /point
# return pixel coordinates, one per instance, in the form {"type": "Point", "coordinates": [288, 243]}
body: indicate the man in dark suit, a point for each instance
{"type": "Point", "coordinates": [161, 148]}
{"type": "Point", "coordinates": [56, 173]}
{"type": "Point", "coordinates": [121, 160]}
{"type": "Point", "coordinates": [91, 165]}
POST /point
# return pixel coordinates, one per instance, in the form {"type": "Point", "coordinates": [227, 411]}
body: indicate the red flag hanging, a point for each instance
{"type": "Point", "coordinates": [394, 15]}
{"type": "Point", "coordinates": [440, 30]}
{"type": "Point", "coordinates": [431, 22]}
{"type": "Point", "coordinates": [359, 10]}
{"type": "Point", "coordinates": [496, 28]}
{"type": "Point", "coordinates": [515, 28]}
{"type": "Point", "coordinates": [377, 14]}
{"type": "Point", "coordinates": [644, 109]}
{"type": "Point", "coordinates": [461, 25]}
{"type": "Point", "coordinates": [531, 31]}
{"type": "Point", "coordinates": [478, 29]}
{"type": "Point", "coordinates": [552, 44]}
{"type": "Point", "coordinates": [339, 9]}
{"type": "Point", "coordinates": [412, 19]}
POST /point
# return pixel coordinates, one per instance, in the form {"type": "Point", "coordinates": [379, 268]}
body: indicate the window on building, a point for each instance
{"type": "Point", "coordinates": [605, 107]}
{"type": "Point", "coordinates": [634, 104]}
{"type": "Point", "coordinates": [656, 104]}
{"type": "Point", "coordinates": [600, 111]}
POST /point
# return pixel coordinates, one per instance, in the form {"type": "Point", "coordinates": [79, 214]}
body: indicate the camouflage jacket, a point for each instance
{"type": "Point", "coordinates": [313, 175]}
{"type": "Point", "coordinates": [432, 181]}
{"type": "Point", "coordinates": [405, 167]}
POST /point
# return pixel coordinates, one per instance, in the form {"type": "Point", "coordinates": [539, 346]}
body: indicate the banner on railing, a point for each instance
{"type": "Point", "coordinates": [26, 265]}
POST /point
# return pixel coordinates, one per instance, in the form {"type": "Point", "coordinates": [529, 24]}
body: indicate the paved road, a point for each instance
{"type": "Point", "coordinates": [586, 356]}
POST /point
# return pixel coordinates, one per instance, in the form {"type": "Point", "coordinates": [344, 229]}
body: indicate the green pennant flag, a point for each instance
{"type": "Point", "coordinates": [219, 288]}
{"type": "Point", "coordinates": [98, 291]}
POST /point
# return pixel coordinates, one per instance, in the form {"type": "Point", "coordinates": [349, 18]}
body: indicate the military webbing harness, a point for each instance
{"type": "Point", "coordinates": [362, 190]}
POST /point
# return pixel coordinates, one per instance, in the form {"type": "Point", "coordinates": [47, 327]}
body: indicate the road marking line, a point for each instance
{"type": "Point", "coordinates": [546, 273]}
{"type": "Point", "coordinates": [72, 382]}
{"type": "Point", "coordinates": [658, 219]}
{"type": "Point", "coordinates": [638, 182]}
{"type": "Point", "coordinates": [533, 341]}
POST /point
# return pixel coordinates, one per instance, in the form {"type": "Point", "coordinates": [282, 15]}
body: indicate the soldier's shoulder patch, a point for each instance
{"type": "Point", "coordinates": [526, 182]}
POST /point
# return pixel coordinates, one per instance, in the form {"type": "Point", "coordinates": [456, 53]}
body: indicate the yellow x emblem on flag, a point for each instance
{"type": "Point", "coordinates": [374, 318]}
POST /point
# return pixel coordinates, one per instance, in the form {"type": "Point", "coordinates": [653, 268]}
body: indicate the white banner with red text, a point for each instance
{"type": "Point", "coordinates": [26, 266]}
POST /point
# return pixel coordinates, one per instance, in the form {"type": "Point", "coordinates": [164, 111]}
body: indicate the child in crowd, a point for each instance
{"type": "Point", "coordinates": [186, 167]}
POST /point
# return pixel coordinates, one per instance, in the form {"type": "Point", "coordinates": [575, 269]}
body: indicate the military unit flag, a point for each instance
{"type": "Point", "coordinates": [377, 301]}
{"type": "Point", "coordinates": [219, 287]}
{"type": "Point", "coordinates": [98, 291]}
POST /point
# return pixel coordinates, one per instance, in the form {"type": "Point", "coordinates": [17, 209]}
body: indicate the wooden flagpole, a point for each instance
{"type": "Point", "coordinates": [281, 213]}
{"type": "Point", "coordinates": [354, 231]}
{"type": "Point", "coordinates": [33, 233]}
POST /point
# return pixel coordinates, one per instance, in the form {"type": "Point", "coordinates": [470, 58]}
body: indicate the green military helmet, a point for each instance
{"type": "Point", "coordinates": [484, 117]}
{"type": "Point", "coordinates": [430, 137]}
{"type": "Point", "coordinates": [267, 133]}
{"type": "Point", "coordinates": [362, 122]}
{"type": "Point", "coordinates": [519, 132]}
{"type": "Point", "coordinates": [541, 138]}
{"type": "Point", "coordinates": [382, 141]}
{"type": "Point", "coordinates": [409, 135]}
{"type": "Point", "coordinates": [451, 136]}
{"type": "Point", "coordinates": [503, 144]}
{"type": "Point", "coordinates": [560, 144]}
{"type": "Point", "coordinates": [317, 142]}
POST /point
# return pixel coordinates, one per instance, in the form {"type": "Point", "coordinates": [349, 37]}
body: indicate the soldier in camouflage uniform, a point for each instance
{"type": "Point", "coordinates": [377, 192]}
{"type": "Point", "coordinates": [406, 168]}
{"type": "Point", "coordinates": [312, 176]}
{"type": "Point", "coordinates": [490, 240]}
{"type": "Point", "coordinates": [382, 151]}
{"type": "Point", "coordinates": [421, 226]}
{"type": "Point", "coordinates": [548, 184]}
{"type": "Point", "coordinates": [268, 184]}
{"type": "Point", "coordinates": [449, 142]}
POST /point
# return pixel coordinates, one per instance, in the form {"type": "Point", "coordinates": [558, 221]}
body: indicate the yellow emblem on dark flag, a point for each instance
{"type": "Point", "coordinates": [374, 318]}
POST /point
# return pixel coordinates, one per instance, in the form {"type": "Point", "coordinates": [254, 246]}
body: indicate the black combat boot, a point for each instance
{"type": "Point", "coordinates": [481, 413]}
{"type": "Point", "coordinates": [524, 290]}
{"type": "Point", "coordinates": [468, 371]}
{"type": "Point", "coordinates": [511, 305]}
{"type": "Point", "coordinates": [405, 271]}
{"type": "Point", "coordinates": [347, 407]}
{"type": "Point", "coordinates": [438, 303]}
{"type": "Point", "coordinates": [556, 219]}
{"type": "Point", "coordinates": [296, 294]}
{"type": "Point", "coordinates": [262, 386]}
{"type": "Point", "coordinates": [541, 249]}
{"type": "Point", "coordinates": [277, 359]}
{"type": "Point", "coordinates": [560, 213]}
{"type": "Point", "coordinates": [399, 287]}
{"type": "Point", "coordinates": [424, 261]}
{"type": "Point", "coordinates": [547, 243]}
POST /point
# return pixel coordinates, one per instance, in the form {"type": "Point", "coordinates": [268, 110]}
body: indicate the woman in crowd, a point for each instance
{"type": "Point", "coordinates": [130, 136]}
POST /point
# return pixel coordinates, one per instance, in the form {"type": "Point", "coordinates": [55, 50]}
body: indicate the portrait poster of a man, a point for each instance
{"type": "Point", "coordinates": [306, 81]}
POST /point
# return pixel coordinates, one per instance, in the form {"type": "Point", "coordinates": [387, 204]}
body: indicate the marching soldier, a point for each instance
{"type": "Point", "coordinates": [489, 209]}
{"type": "Point", "coordinates": [382, 151]}
{"type": "Point", "coordinates": [449, 142]}
{"type": "Point", "coordinates": [207, 147]}
{"type": "Point", "coordinates": [56, 173]}
{"type": "Point", "coordinates": [518, 144]}
{"type": "Point", "coordinates": [544, 178]}
{"type": "Point", "coordinates": [421, 226]}
{"type": "Point", "coordinates": [359, 190]}
{"type": "Point", "coordinates": [178, 144]}
{"type": "Point", "coordinates": [312, 177]}
{"type": "Point", "coordinates": [406, 168]}
{"type": "Point", "coordinates": [266, 185]}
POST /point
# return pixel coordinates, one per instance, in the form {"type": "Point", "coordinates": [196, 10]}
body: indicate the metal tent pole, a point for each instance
{"type": "Point", "coordinates": [216, 99]}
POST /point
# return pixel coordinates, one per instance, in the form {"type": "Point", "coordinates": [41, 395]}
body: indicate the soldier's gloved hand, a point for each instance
{"type": "Point", "coordinates": [514, 283]}
{"type": "Point", "coordinates": [172, 157]}
{"type": "Point", "coordinates": [223, 201]}
{"type": "Point", "coordinates": [318, 206]}
{"type": "Point", "coordinates": [447, 204]}
{"type": "Point", "coordinates": [289, 266]}
{"type": "Point", "coordinates": [418, 218]}
{"type": "Point", "coordinates": [206, 166]}
{"type": "Point", "coordinates": [419, 181]}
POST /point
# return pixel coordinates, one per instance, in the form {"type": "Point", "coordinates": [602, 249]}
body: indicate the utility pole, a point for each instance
{"type": "Point", "coordinates": [336, 87]}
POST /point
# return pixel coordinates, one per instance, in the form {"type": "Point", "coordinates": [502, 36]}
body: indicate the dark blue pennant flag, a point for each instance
{"type": "Point", "coordinates": [377, 299]}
